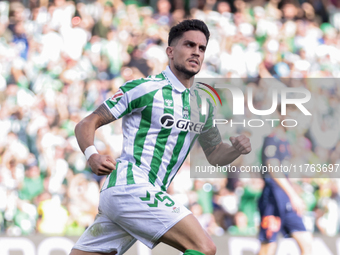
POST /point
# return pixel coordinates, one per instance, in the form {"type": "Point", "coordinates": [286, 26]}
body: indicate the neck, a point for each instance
{"type": "Point", "coordinates": [182, 77]}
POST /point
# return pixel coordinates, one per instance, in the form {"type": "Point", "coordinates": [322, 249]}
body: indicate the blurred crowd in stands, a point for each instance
{"type": "Point", "coordinates": [59, 60]}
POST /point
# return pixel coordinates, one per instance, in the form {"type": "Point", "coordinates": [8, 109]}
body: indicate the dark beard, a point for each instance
{"type": "Point", "coordinates": [185, 71]}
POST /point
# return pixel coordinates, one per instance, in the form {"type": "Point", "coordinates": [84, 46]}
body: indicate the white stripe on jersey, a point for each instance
{"type": "Point", "coordinates": [131, 124]}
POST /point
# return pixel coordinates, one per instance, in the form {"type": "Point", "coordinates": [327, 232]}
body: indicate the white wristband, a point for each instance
{"type": "Point", "coordinates": [89, 151]}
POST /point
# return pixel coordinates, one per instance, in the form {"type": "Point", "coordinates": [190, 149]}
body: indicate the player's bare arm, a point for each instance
{"type": "Point", "coordinates": [106, 116]}
{"type": "Point", "coordinates": [219, 153]}
{"type": "Point", "coordinates": [85, 131]}
{"type": "Point", "coordinates": [296, 202]}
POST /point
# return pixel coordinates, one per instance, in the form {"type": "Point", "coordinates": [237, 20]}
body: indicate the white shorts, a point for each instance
{"type": "Point", "coordinates": [129, 213]}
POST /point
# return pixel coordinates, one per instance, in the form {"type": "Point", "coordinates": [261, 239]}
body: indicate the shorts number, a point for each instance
{"type": "Point", "coordinates": [158, 197]}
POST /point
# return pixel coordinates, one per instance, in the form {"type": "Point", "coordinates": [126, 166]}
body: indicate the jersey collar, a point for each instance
{"type": "Point", "coordinates": [172, 79]}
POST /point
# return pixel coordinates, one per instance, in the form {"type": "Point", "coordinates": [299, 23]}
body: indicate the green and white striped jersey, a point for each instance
{"type": "Point", "coordinates": [157, 120]}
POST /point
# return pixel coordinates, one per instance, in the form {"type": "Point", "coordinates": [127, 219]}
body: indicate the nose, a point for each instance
{"type": "Point", "coordinates": [196, 51]}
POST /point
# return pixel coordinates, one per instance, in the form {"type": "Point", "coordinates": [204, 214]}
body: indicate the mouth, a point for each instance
{"type": "Point", "coordinates": [194, 61]}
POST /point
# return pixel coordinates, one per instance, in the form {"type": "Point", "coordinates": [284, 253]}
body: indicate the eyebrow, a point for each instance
{"type": "Point", "coordinates": [189, 41]}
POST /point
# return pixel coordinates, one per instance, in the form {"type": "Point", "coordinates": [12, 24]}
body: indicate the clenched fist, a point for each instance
{"type": "Point", "coordinates": [241, 144]}
{"type": "Point", "coordinates": [102, 164]}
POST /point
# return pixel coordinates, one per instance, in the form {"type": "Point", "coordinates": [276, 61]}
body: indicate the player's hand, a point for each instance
{"type": "Point", "coordinates": [241, 144]}
{"type": "Point", "coordinates": [297, 204]}
{"type": "Point", "coordinates": [102, 164]}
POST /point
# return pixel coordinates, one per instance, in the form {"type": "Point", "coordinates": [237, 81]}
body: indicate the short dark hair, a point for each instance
{"type": "Point", "coordinates": [177, 31]}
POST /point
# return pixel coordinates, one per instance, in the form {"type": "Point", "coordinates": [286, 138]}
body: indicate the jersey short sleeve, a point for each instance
{"type": "Point", "coordinates": [113, 104]}
{"type": "Point", "coordinates": [132, 96]}
{"type": "Point", "coordinates": [199, 101]}
{"type": "Point", "coordinates": [210, 116]}
{"type": "Point", "coordinates": [210, 136]}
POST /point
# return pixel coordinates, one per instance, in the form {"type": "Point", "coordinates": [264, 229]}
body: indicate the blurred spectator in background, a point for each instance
{"type": "Point", "coordinates": [163, 15]}
{"type": "Point", "coordinates": [20, 39]}
{"type": "Point", "coordinates": [105, 23]}
{"type": "Point", "coordinates": [32, 185]}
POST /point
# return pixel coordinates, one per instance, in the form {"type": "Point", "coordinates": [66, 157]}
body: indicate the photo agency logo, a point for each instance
{"type": "Point", "coordinates": [204, 107]}
{"type": "Point", "coordinates": [283, 97]}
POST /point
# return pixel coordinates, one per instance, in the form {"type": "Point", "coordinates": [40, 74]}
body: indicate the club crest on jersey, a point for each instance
{"type": "Point", "coordinates": [169, 103]}
{"type": "Point", "coordinates": [117, 95]}
{"type": "Point", "coordinates": [185, 113]}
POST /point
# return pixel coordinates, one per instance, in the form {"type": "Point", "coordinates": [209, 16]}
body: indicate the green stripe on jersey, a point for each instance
{"type": "Point", "coordinates": [111, 104]}
{"type": "Point", "coordinates": [132, 84]}
{"type": "Point", "coordinates": [179, 142]}
{"type": "Point", "coordinates": [113, 177]}
{"type": "Point", "coordinates": [191, 144]}
{"type": "Point", "coordinates": [174, 157]}
{"type": "Point", "coordinates": [162, 137]}
{"type": "Point", "coordinates": [129, 175]}
{"type": "Point", "coordinates": [139, 102]}
{"type": "Point", "coordinates": [142, 132]}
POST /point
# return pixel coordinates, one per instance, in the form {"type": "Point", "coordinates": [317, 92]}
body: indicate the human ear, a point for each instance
{"type": "Point", "coordinates": [169, 52]}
